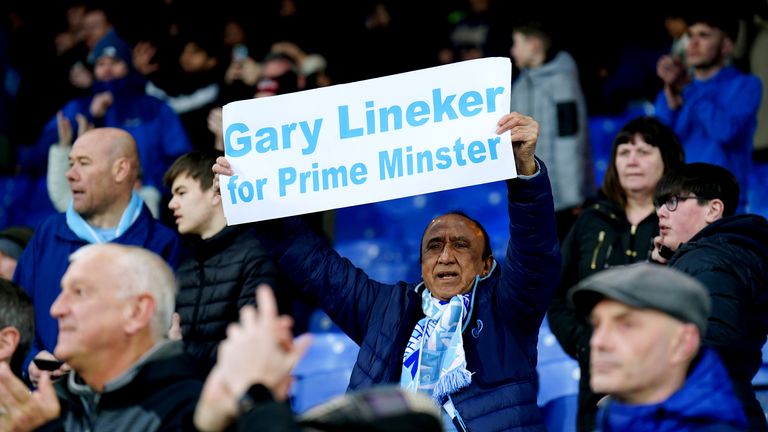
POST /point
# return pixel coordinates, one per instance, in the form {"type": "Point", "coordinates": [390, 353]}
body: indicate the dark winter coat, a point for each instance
{"type": "Point", "coordinates": [500, 340]}
{"type": "Point", "coordinates": [218, 277]}
{"type": "Point", "coordinates": [157, 394]}
{"type": "Point", "coordinates": [730, 257]}
{"type": "Point", "coordinates": [601, 237]}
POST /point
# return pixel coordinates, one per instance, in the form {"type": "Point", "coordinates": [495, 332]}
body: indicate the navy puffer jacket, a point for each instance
{"type": "Point", "coordinates": [500, 341]}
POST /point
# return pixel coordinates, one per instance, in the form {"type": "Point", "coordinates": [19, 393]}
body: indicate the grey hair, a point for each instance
{"type": "Point", "coordinates": [138, 271]}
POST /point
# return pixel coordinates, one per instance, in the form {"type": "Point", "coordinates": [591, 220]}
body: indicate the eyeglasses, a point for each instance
{"type": "Point", "coordinates": [672, 202]}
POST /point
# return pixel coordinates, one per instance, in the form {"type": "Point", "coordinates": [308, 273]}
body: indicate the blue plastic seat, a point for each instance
{"type": "Point", "coordinates": [548, 347]}
{"type": "Point", "coordinates": [381, 258]}
{"type": "Point", "coordinates": [323, 373]}
{"type": "Point", "coordinates": [557, 379]}
{"type": "Point", "coordinates": [560, 414]}
{"type": "Point", "coordinates": [24, 201]}
{"type": "Point", "coordinates": [603, 130]}
{"type": "Point", "coordinates": [358, 222]}
{"type": "Point", "coordinates": [758, 189]}
{"type": "Point", "coordinates": [320, 322]}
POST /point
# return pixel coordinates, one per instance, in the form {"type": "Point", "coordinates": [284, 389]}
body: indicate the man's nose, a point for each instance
{"type": "Point", "coordinates": [57, 307]}
{"type": "Point", "coordinates": [445, 255]}
{"type": "Point", "coordinates": [598, 338]}
{"type": "Point", "coordinates": [71, 174]}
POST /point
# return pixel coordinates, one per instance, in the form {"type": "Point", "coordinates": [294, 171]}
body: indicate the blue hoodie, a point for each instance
{"type": "Point", "coordinates": [158, 131]}
{"type": "Point", "coordinates": [717, 121]}
{"type": "Point", "coordinates": [706, 402]}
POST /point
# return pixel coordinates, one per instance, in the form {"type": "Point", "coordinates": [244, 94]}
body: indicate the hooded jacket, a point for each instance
{"type": "Point", "coordinates": [705, 402]}
{"type": "Point", "coordinates": [730, 257]}
{"type": "Point", "coordinates": [500, 340]}
{"type": "Point", "coordinates": [159, 134]}
{"type": "Point", "coordinates": [717, 121]}
{"type": "Point", "coordinates": [552, 95]}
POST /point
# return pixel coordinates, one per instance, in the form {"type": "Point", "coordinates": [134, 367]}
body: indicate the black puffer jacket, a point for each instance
{"type": "Point", "coordinates": [730, 257]}
{"type": "Point", "coordinates": [216, 279]}
{"type": "Point", "coordinates": [601, 237]}
{"type": "Point", "coordinates": [157, 393]}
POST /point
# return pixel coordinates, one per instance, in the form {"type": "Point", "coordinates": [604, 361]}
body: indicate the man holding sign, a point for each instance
{"type": "Point", "coordinates": [466, 334]}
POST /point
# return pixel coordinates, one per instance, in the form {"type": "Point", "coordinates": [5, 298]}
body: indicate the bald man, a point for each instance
{"type": "Point", "coordinates": [104, 166]}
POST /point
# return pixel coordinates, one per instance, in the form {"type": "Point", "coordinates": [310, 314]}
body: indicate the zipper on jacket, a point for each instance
{"type": "Point", "coordinates": [631, 252]}
{"type": "Point", "coordinates": [600, 240]}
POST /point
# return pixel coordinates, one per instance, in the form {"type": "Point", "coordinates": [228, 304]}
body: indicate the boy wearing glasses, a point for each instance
{"type": "Point", "coordinates": [728, 253]}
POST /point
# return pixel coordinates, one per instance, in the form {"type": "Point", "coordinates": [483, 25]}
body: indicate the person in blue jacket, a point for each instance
{"type": "Point", "coordinates": [647, 353]}
{"type": "Point", "coordinates": [714, 109]}
{"type": "Point", "coordinates": [104, 208]}
{"type": "Point", "coordinates": [466, 334]}
{"type": "Point", "coordinates": [118, 100]}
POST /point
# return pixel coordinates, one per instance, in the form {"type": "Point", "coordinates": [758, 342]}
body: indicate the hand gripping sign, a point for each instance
{"type": "Point", "coordinates": [380, 139]}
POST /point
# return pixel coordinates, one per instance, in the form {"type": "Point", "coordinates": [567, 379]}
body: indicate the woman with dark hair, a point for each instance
{"type": "Point", "coordinates": [614, 231]}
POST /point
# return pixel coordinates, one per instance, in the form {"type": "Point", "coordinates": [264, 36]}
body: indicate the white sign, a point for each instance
{"type": "Point", "coordinates": [392, 137]}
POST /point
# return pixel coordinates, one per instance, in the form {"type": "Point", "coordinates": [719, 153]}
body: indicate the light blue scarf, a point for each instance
{"type": "Point", "coordinates": [84, 231]}
{"type": "Point", "coordinates": [434, 361]}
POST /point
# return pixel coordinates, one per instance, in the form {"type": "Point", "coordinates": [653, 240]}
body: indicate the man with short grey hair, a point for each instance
{"type": "Point", "coordinates": [114, 309]}
{"type": "Point", "coordinates": [646, 352]}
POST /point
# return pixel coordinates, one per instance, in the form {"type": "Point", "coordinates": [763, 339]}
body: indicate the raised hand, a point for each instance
{"type": "Point", "coordinates": [524, 132]}
{"type": "Point", "coordinates": [23, 410]}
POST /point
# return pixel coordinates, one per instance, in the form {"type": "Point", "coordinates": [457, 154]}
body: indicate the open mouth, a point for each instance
{"type": "Point", "coordinates": [447, 275]}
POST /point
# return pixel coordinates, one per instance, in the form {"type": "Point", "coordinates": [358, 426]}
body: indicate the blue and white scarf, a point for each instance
{"type": "Point", "coordinates": [85, 232]}
{"type": "Point", "coordinates": [434, 361]}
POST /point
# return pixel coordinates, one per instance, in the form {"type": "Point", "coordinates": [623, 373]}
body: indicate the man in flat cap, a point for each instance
{"type": "Point", "coordinates": [646, 352]}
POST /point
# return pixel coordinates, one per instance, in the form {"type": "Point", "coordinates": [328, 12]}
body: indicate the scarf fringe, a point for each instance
{"type": "Point", "coordinates": [451, 382]}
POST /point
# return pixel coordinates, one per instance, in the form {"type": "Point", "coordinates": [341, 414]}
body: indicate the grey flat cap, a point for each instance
{"type": "Point", "coordinates": [646, 286]}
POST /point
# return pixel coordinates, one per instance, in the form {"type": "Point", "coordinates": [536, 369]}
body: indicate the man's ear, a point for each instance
{"type": "Point", "coordinates": [727, 47]}
{"type": "Point", "coordinates": [487, 265]}
{"type": "Point", "coordinates": [715, 209]}
{"type": "Point", "coordinates": [121, 170]}
{"type": "Point", "coordinates": [9, 340]}
{"type": "Point", "coordinates": [215, 199]}
{"type": "Point", "coordinates": [686, 344]}
{"type": "Point", "coordinates": [138, 313]}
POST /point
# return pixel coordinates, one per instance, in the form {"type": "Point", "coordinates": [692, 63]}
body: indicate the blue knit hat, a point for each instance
{"type": "Point", "coordinates": [111, 45]}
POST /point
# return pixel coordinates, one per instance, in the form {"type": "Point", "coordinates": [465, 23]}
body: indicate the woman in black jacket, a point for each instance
{"type": "Point", "coordinates": [616, 230]}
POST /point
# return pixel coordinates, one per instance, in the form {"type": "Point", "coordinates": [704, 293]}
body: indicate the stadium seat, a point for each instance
{"type": "Point", "coordinates": [24, 201]}
{"type": "Point", "coordinates": [549, 348]}
{"type": "Point", "coordinates": [558, 383]}
{"type": "Point", "coordinates": [323, 373]}
{"type": "Point", "coordinates": [320, 322]}
{"type": "Point", "coordinates": [602, 131]}
{"type": "Point", "coordinates": [357, 222]}
{"type": "Point", "coordinates": [381, 258]}
{"type": "Point", "coordinates": [560, 414]}
{"type": "Point", "coordinates": [557, 379]}
{"type": "Point", "coordinates": [758, 189]}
